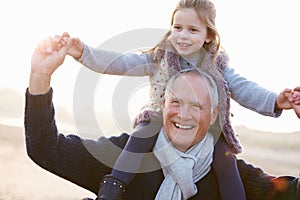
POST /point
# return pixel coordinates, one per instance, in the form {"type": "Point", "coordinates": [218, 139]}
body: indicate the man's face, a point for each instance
{"type": "Point", "coordinates": [187, 113]}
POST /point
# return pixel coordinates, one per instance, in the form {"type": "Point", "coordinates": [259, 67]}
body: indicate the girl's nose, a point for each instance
{"type": "Point", "coordinates": [183, 34]}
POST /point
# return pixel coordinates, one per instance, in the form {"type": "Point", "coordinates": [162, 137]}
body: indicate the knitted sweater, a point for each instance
{"type": "Point", "coordinates": [85, 161]}
{"type": "Point", "coordinates": [232, 85]}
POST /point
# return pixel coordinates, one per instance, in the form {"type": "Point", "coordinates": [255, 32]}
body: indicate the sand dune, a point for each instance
{"type": "Point", "coordinates": [21, 179]}
{"type": "Point", "coordinates": [276, 153]}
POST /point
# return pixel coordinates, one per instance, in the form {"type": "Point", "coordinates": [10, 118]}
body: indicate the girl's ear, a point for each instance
{"type": "Point", "coordinates": [208, 40]}
{"type": "Point", "coordinates": [214, 115]}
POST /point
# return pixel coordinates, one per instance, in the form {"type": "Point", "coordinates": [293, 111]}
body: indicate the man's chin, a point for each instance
{"type": "Point", "coordinates": [181, 148]}
{"type": "Point", "coordinates": [182, 140]}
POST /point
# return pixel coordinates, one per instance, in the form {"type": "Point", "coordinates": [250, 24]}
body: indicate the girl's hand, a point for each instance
{"type": "Point", "coordinates": [75, 46]}
{"type": "Point", "coordinates": [296, 95]}
{"type": "Point", "coordinates": [290, 99]}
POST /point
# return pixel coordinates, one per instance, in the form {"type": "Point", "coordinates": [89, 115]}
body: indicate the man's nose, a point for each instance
{"type": "Point", "coordinates": [185, 113]}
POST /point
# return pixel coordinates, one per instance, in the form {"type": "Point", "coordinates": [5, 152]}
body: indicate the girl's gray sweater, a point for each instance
{"type": "Point", "coordinates": [247, 93]}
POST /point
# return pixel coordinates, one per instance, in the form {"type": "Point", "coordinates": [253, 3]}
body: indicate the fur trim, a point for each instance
{"type": "Point", "coordinates": [224, 102]}
{"type": "Point", "coordinates": [146, 116]}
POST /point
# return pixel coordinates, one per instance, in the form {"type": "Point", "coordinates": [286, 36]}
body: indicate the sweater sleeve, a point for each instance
{"type": "Point", "coordinates": [259, 185]}
{"type": "Point", "coordinates": [81, 161]}
{"type": "Point", "coordinates": [251, 95]}
{"type": "Point", "coordinates": [107, 62]}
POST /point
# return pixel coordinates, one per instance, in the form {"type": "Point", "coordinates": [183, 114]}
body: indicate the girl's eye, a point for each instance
{"type": "Point", "coordinates": [176, 27]}
{"type": "Point", "coordinates": [194, 30]}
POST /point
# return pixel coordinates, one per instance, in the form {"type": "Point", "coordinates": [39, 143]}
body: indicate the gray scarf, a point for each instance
{"type": "Point", "coordinates": [182, 169]}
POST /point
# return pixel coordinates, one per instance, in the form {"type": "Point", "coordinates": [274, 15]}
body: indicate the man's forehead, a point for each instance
{"type": "Point", "coordinates": [190, 82]}
{"type": "Point", "coordinates": [192, 99]}
{"type": "Point", "coordinates": [191, 87]}
{"type": "Point", "coordinates": [188, 95]}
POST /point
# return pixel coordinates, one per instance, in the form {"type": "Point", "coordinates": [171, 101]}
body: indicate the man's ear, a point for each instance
{"type": "Point", "coordinates": [214, 115]}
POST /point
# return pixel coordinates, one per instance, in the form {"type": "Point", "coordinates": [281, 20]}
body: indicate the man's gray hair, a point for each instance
{"type": "Point", "coordinates": [213, 92]}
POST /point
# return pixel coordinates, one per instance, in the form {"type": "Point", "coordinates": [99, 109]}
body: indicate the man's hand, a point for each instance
{"type": "Point", "coordinates": [289, 99]}
{"type": "Point", "coordinates": [44, 61]}
{"type": "Point", "coordinates": [295, 103]}
{"type": "Point", "coordinates": [282, 100]}
{"type": "Point", "coordinates": [296, 95]}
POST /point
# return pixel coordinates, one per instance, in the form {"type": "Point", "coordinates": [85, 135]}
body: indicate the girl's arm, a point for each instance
{"type": "Point", "coordinates": [250, 95]}
{"type": "Point", "coordinates": [106, 62]}
{"type": "Point", "coordinates": [256, 98]}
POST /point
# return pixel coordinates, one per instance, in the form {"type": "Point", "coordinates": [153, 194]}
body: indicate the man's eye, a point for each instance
{"type": "Point", "coordinates": [175, 102]}
{"type": "Point", "coordinates": [199, 107]}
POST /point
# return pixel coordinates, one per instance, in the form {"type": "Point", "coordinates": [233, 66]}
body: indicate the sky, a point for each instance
{"type": "Point", "coordinates": [261, 38]}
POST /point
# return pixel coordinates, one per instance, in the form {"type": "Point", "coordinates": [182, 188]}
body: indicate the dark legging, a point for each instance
{"type": "Point", "coordinates": [139, 143]}
{"type": "Point", "coordinates": [225, 167]}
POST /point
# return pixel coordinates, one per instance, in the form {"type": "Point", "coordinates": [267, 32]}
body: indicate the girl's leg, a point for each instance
{"type": "Point", "coordinates": [127, 165]}
{"type": "Point", "coordinates": [140, 142]}
{"type": "Point", "coordinates": [225, 166]}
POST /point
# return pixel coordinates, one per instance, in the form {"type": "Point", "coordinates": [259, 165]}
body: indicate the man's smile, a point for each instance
{"type": "Point", "coordinates": [180, 126]}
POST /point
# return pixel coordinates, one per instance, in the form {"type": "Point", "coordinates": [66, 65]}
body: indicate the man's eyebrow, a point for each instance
{"type": "Point", "coordinates": [173, 97]}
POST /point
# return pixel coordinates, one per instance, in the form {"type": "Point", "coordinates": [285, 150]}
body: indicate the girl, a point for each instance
{"type": "Point", "coordinates": [192, 41]}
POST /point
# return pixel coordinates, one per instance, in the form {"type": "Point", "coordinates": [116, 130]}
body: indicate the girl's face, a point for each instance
{"type": "Point", "coordinates": [188, 33]}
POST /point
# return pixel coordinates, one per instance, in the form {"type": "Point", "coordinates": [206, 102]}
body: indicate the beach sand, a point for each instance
{"type": "Point", "coordinates": [22, 179]}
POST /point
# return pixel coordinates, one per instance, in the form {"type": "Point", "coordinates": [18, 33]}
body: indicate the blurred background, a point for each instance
{"type": "Point", "coordinates": [261, 38]}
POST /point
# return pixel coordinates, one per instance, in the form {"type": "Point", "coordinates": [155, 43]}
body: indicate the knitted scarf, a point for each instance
{"type": "Point", "coordinates": [182, 170]}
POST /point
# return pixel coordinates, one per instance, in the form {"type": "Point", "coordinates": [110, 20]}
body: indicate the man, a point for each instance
{"type": "Point", "coordinates": [179, 148]}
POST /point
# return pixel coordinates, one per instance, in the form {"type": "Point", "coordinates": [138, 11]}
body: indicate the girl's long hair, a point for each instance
{"type": "Point", "coordinates": [207, 14]}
